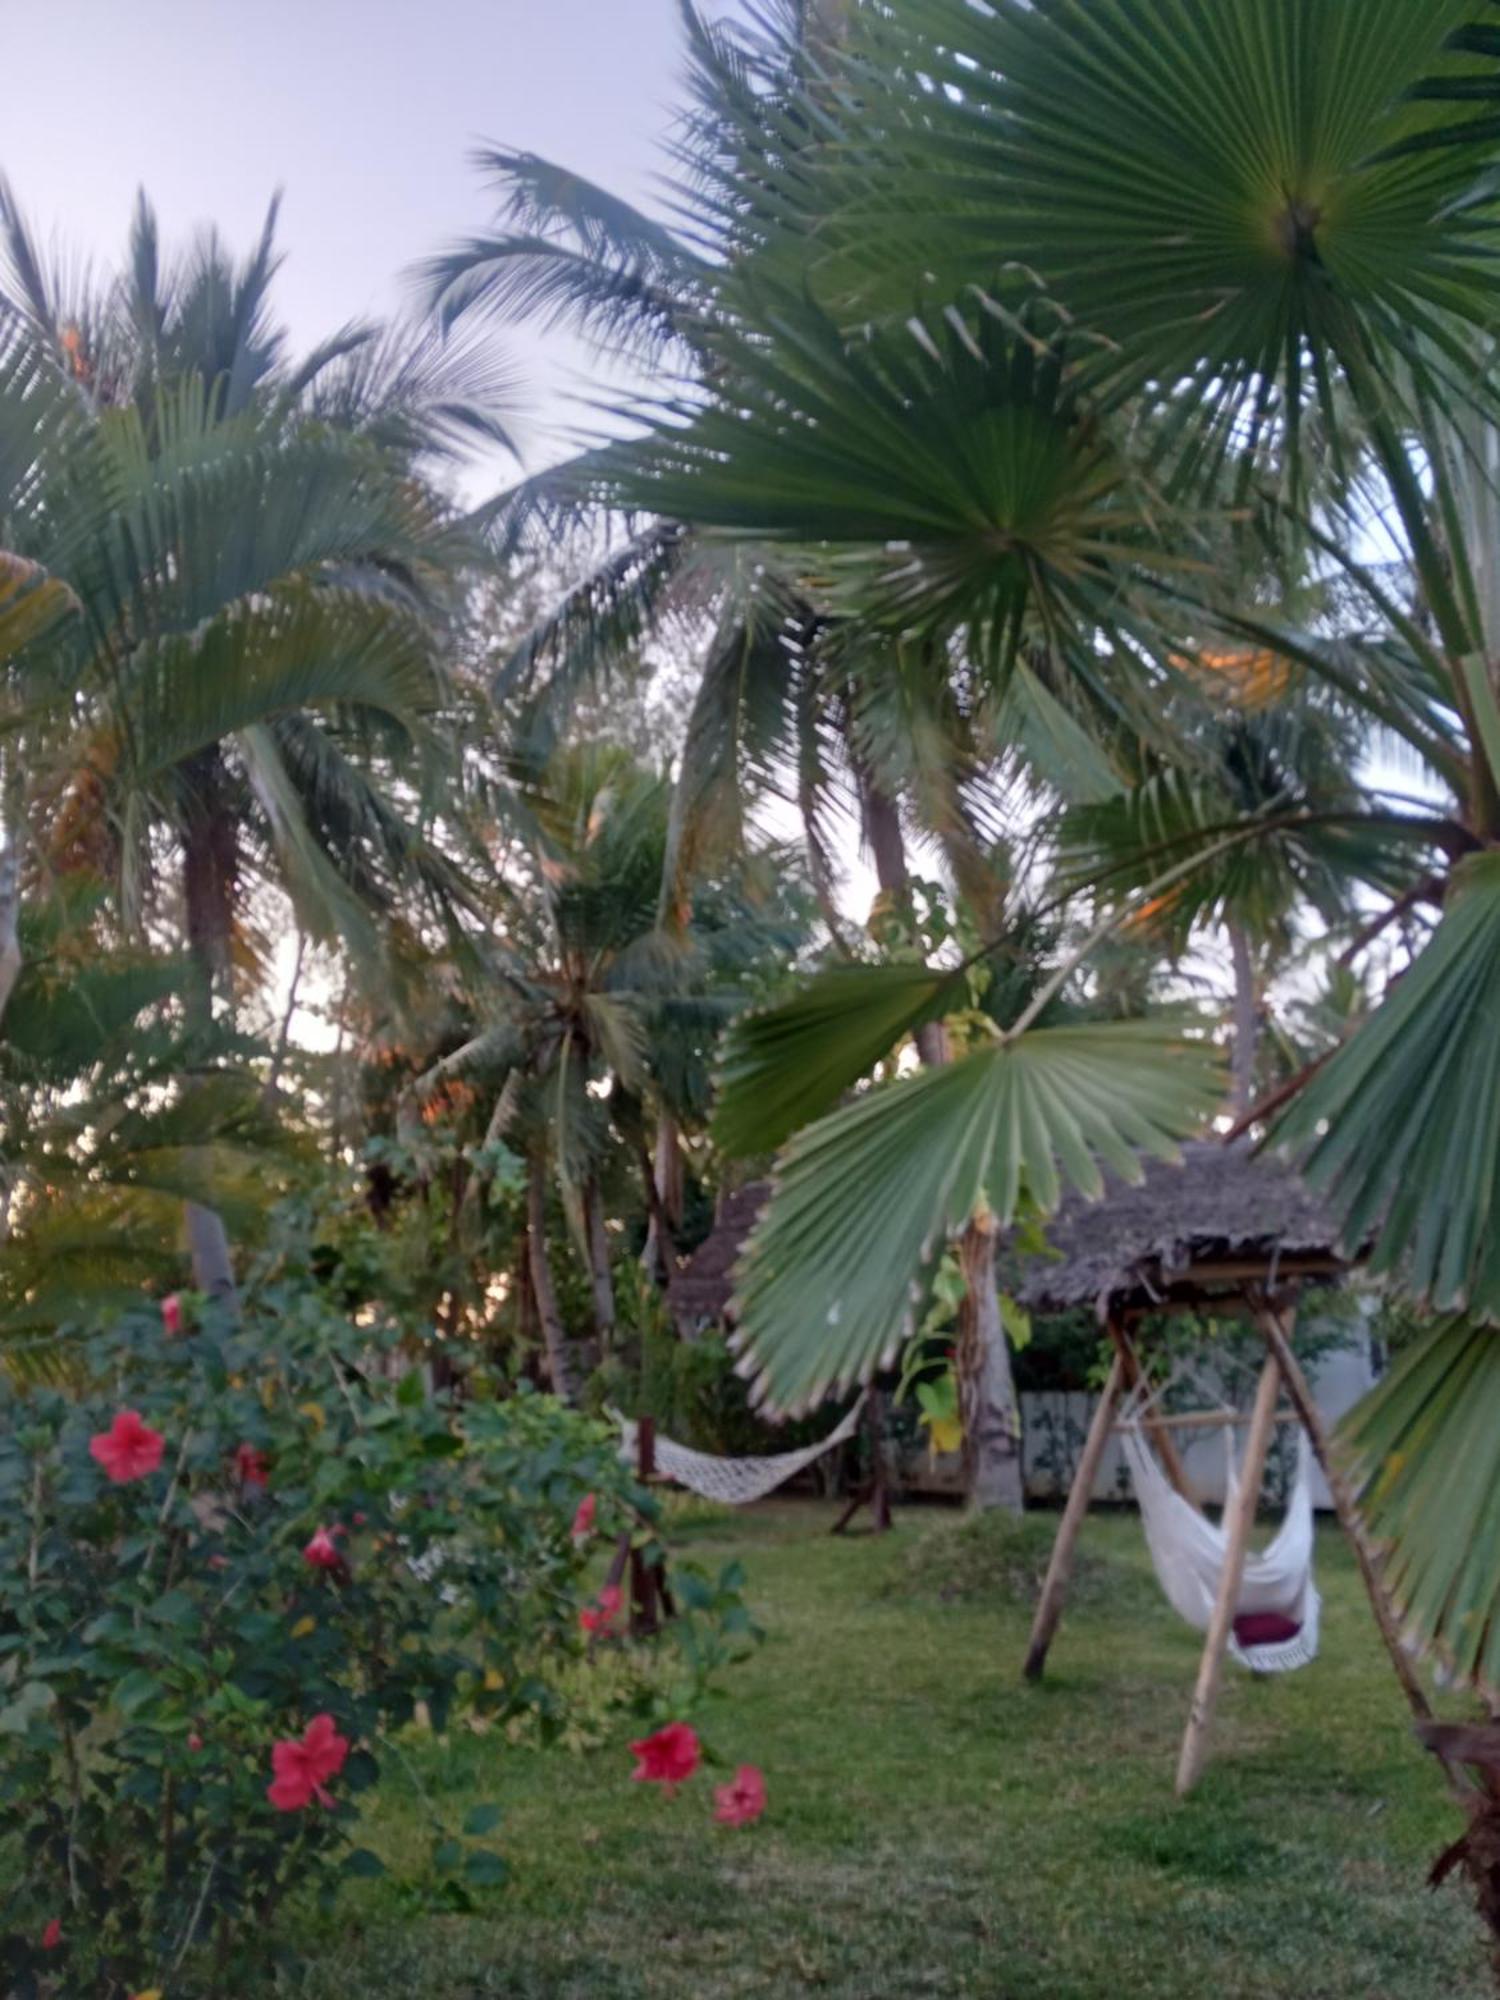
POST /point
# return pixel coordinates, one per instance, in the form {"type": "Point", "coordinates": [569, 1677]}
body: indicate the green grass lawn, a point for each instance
{"type": "Point", "coordinates": [936, 1828]}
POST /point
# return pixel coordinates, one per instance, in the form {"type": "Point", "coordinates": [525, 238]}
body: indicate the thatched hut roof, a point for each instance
{"type": "Point", "coordinates": [1201, 1227]}
{"type": "Point", "coordinates": [1207, 1224]}
{"type": "Point", "coordinates": [702, 1289]}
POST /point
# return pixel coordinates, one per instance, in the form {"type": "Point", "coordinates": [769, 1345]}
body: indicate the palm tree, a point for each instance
{"type": "Point", "coordinates": [253, 686]}
{"type": "Point", "coordinates": [588, 1019]}
{"type": "Point", "coordinates": [793, 691]}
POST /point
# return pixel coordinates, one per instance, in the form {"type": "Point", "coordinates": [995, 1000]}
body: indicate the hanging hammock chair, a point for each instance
{"type": "Point", "coordinates": [1276, 1618]}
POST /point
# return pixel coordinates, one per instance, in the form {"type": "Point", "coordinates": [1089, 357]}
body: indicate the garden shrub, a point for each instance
{"type": "Point", "coordinates": [235, 1563]}
{"type": "Point", "coordinates": [998, 1558]}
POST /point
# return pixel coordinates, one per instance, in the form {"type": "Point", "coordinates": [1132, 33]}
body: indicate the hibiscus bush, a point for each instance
{"type": "Point", "coordinates": [238, 1559]}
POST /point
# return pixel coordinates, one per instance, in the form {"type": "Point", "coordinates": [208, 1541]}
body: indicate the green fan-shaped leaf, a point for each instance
{"type": "Point", "coordinates": [787, 1065]}
{"type": "Point", "coordinates": [1401, 1130]}
{"type": "Point", "coordinates": [866, 1198]}
{"type": "Point", "coordinates": [1219, 191]}
{"type": "Point", "coordinates": [1425, 1449]}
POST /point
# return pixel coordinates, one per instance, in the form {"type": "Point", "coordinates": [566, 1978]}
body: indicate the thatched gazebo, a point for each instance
{"type": "Point", "coordinates": [700, 1293]}
{"type": "Point", "coordinates": [1227, 1231]}
{"type": "Point", "coordinates": [1187, 1237]}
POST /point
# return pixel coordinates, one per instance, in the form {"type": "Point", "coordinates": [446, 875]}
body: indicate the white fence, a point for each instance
{"type": "Point", "coordinates": [1054, 1427]}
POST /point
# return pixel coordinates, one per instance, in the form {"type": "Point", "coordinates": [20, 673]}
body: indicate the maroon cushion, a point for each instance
{"type": "Point", "coordinates": [1265, 1628]}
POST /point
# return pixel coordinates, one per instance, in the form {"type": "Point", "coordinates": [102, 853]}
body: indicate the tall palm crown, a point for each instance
{"type": "Point", "coordinates": [251, 687]}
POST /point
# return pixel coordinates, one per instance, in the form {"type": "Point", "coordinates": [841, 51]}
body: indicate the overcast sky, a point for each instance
{"type": "Point", "coordinates": [363, 111]}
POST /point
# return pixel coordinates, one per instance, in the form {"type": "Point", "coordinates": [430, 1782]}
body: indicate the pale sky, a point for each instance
{"type": "Point", "coordinates": [363, 111]}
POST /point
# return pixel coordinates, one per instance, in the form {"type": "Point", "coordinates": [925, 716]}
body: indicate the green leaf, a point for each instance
{"type": "Point", "coordinates": [480, 1820]}
{"type": "Point", "coordinates": [1424, 1449]}
{"type": "Point", "coordinates": [789, 1064]}
{"type": "Point", "coordinates": [34, 1699]}
{"type": "Point", "coordinates": [1016, 1321]}
{"type": "Point", "coordinates": [1401, 1129]}
{"type": "Point", "coordinates": [835, 1274]}
{"type": "Point", "coordinates": [1215, 193]}
{"type": "Point", "coordinates": [136, 1691]}
{"type": "Point", "coordinates": [362, 1865]}
{"type": "Point", "coordinates": [485, 1869]}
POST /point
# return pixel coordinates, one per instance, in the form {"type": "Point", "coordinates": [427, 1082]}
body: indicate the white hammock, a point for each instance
{"type": "Point", "coordinates": [1188, 1550]}
{"type": "Point", "coordinates": [735, 1481]}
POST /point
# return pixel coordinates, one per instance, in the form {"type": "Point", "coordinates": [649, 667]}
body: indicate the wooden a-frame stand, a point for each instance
{"type": "Point", "coordinates": [1273, 1315]}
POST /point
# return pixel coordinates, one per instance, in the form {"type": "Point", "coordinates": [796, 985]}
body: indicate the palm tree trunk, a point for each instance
{"type": "Point", "coordinates": [986, 1384]}
{"type": "Point", "coordinates": [663, 1182]}
{"type": "Point", "coordinates": [11, 840]}
{"type": "Point", "coordinates": [210, 851]}
{"type": "Point", "coordinates": [544, 1295]}
{"type": "Point", "coordinates": [1246, 1022]}
{"type": "Point", "coordinates": [600, 1281]}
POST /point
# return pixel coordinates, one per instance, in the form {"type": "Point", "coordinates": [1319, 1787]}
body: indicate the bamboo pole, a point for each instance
{"type": "Point", "coordinates": [1171, 1458]}
{"type": "Point", "coordinates": [1271, 1325]}
{"type": "Point", "coordinates": [1049, 1608]}
{"type": "Point", "coordinates": [1239, 1521]}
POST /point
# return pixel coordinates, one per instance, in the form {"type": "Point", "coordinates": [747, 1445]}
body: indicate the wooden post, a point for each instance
{"type": "Point", "coordinates": [1239, 1521]}
{"type": "Point", "coordinates": [1275, 1331]}
{"type": "Point", "coordinates": [875, 1491]}
{"type": "Point", "coordinates": [1049, 1607]}
{"type": "Point", "coordinates": [1135, 1375]}
{"type": "Point", "coordinates": [644, 1614]}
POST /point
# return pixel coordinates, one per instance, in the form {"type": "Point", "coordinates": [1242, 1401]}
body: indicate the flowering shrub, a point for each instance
{"type": "Point", "coordinates": [235, 1561]}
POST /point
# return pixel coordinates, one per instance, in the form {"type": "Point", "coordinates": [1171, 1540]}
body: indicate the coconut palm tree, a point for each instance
{"type": "Point", "coordinates": [794, 694]}
{"type": "Point", "coordinates": [253, 686]}
{"type": "Point", "coordinates": [588, 1019]}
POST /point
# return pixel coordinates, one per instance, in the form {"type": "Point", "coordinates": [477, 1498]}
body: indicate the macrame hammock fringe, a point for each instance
{"type": "Point", "coordinates": [1277, 1598]}
{"type": "Point", "coordinates": [737, 1482]}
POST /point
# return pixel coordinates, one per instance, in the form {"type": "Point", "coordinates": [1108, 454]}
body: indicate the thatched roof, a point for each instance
{"type": "Point", "coordinates": [1224, 1206]}
{"type": "Point", "coordinates": [702, 1289]}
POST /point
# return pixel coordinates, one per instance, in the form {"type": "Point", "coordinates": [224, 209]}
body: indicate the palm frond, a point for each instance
{"type": "Point", "coordinates": [864, 1200]}
{"type": "Point", "coordinates": [1401, 1129]}
{"type": "Point", "coordinates": [1422, 1448]}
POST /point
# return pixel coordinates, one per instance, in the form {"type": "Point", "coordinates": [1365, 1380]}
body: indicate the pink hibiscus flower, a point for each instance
{"type": "Point", "coordinates": [252, 1467]}
{"type": "Point", "coordinates": [669, 1757]}
{"type": "Point", "coordinates": [129, 1449]}
{"type": "Point", "coordinates": [743, 1801]}
{"type": "Point", "coordinates": [322, 1551]}
{"type": "Point", "coordinates": [304, 1766]}
{"type": "Point", "coordinates": [583, 1520]}
{"type": "Point", "coordinates": [171, 1315]}
{"type": "Point", "coordinates": [600, 1620]}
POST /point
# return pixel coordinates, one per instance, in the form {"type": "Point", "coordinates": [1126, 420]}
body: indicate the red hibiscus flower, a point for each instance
{"type": "Point", "coordinates": [322, 1551]}
{"type": "Point", "coordinates": [129, 1449]}
{"type": "Point", "coordinates": [52, 1935]}
{"type": "Point", "coordinates": [195, 1741]}
{"type": "Point", "coordinates": [583, 1520]}
{"type": "Point", "coordinates": [171, 1316]}
{"type": "Point", "coordinates": [668, 1758]}
{"type": "Point", "coordinates": [304, 1767]}
{"type": "Point", "coordinates": [252, 1466]}
{"type": "Point", "coordinates": [742, 1802]}
{"type": "Point", "coordinates": [599, 1620]}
